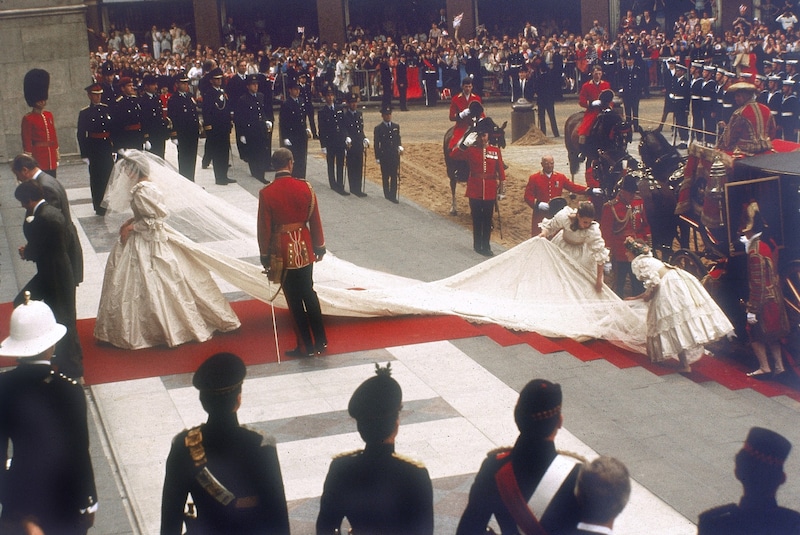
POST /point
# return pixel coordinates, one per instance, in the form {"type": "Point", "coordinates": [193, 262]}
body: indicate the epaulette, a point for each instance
{"type": "Point", "coordinates": [348, 454]}
{"type": "Point", "coordinates": [61, 377]}
{"type": "Point", "coordinates": [409, 460]}
{"type": "Point", "coordinates": [718, 512]}
{"type": "Point", "coordinates": [497, 451]}
{"type": "Point", "coordinates": [102, 104]}
{"type": "Point", "coordinates": [266, 440]}
{"type": "Point", "coordinates": [119, 98]}
{"type": "Point", "coordinates": [86, 108]}
{"type": "Point", "coordinates": [574, 455]}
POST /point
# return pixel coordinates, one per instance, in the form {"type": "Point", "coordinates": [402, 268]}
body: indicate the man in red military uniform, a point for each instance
{"type": "Point", "coordinates": [290, 229]}
{"type": "Point", "coordinates": [624, 216]}
{"type": "Point", "coordinates": [589, 98]}
{"type": "Point", "coordinates": [465, 109]}
{"type": "Point", "coordinates": [545, 186]}
{"type": "Point", "coordinates": [486, 176]}
{"type": "Point", "coordinates": [39, 137]}
{"type": "Point", "coordinates": [751, 128]}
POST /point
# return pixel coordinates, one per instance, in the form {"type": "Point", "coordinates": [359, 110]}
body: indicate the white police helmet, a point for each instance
{"type": "Point", "coordinates": [33, 330]}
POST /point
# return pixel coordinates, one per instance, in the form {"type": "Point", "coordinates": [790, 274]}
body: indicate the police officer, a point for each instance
{"type": "Point", "coordinates": [232, 472]}
{"type": "Point", "coordinates": [182, 111]}
{"type": "Point", "coordinates": [126, 115]}
{"type": "Point", "coordinates": [681, 96]}
{"type": "Point", "coordinates": [388, 149]}
{"type": "Point", "coordinates": [631, 84]}
{"type": "Point", "coordinates": [609, 61]}
{"type": "Point", "coordinates": [759, 467]}
{"type": "Point", "coordinates": [332, 140]}
{"type": "Point", "coordinates": [789, 120]}
{"type": "Point", "coordinates": [294, 132]}
{"type": "Point", "coordinates": [708, 99]}
{"type": "Point", "coordinates": [154, 124]}
{"type": "Point", "coordinates": [430, 76]}
{"type": "Point", "coordinates": [696, 93]}
{"type": "Point", "coordinates": [94, 142]}
{"type": "Point", "coordinates": [357, 144]}
{"type": "Point", "coordinates": [217, 125]}
{"type": "Point", "coordinates": [376, 489]}
{"type": "Point", "coordinates": [48, 482]}
{"type": "Point", "coordinates": [774, 96]}
{"type": "Point", "coordinates": [307, 100]}
{"type": "Point", "coordinates": [253, 120]}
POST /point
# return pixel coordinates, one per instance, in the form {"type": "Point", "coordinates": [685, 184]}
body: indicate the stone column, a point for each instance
{"type": "Point", "coordinates": [207, 23]}
{"type": "Point", "coordinates": [331, 20]}
{"type": "Point", "coordinates": [456, 7]}
{"type": "Point", "coordinates": [50, 35]}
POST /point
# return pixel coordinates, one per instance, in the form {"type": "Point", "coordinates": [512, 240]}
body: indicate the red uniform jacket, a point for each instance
{"type": "Point", "coordinates": [619, 221]}
{"type": "Point", "coordinates": [458, 104]}
{"type": "Point", "coordinates": [486, 170]}
{"type": "Point", "coordinates": [39, 139]}
{"type": "Point", "coordinates": [589, 93]}
{"type": "Point", "coordinates": [289, 222]}
{"type": "Point", "coordinates": [751, 130]}
{"type": "Point", "coordinates": [765, 299]}
{"type": "Point", "coordinates": [540, 188]}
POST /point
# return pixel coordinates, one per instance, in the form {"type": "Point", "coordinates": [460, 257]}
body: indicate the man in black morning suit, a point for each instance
{"type": "Point", "coordinates": [357, 145]}
{"type": "Point", "coordinates": [294, 133]}
{"type": "Point", "coordinates": [332, 140]}
{"type": "Point", "coordinates": [54, 282]}
{"type": "Point", "coordinates": [388, 149]}
{"type": "Point", "coordinates": [217, 125]}
{"type": "Point", "coordinates": [252, 124]}
{"type": "Point", "coordinates": [182, 111]}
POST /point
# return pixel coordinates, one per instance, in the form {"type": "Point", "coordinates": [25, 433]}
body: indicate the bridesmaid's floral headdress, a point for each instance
{"type": "Point", "coordinates": [637, 247]}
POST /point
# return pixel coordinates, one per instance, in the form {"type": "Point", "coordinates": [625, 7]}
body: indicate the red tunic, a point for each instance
{"type": "Point", "coordinates": [619, 221]}
{"type": "Point", "coordinates": [590, 92]}
{"type": "Point", "coordinates": [750, 130]}
{"type": "Point", "coordinates": [458, 104]}
{"type": "Point", "coordinates": [540, 188]}
{"type": "Point", "coordinates": [288, 212]}
{"type": "Point", "coordinates": [486, 171]}
{"type": "Point", "coordinates": [39, 139]}
{"type": "Point", "coordinates": [765, 299]}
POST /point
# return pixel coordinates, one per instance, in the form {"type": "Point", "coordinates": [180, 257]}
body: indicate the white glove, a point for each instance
{"type": "Point", "coordinates": [471, 139]}
{"type": "Point", "coordinates": [621, 90]}
{"type": "Point", "coordinates": [243, 140]}
{"type": "Point", "coordinates": [596, 102]}
{"type": "Point", "coordinates": [464, 114]}
{"type": "Point", "coordinates": [308, 133]}
{"type": "Point", "coordinates": [174, 141]}
{"type": "Point", "coordinates": [85, 160]}
{"type": "Point", "coordinates": [348, 141]}
{"type": "Point", "coordinates": [366, 143]}
{"type": "Point", "coordinates": [269, 125]}
{"type": "Point", "coordinates": [751, 318]}
{"type": "Point", "coordinates": [544, 207]}
{"type": "Point", "coordinates": [377, 160]}
{"type": "Point", "coordinates": [147, 145]}
{"type": "Point", "coordinates": [324, 151]}
{"type": "Point", "coordinates": [400, 150]}
{"type": "Point", "coordinates": [607, 268]}
{"type": "Point", "coordinates": [596, 191]}
{"type": "Point", "coordinates": [287, 143]}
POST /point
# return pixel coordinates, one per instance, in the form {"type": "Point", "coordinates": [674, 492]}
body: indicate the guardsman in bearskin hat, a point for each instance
{"type": "Point", "coordinates": [624, 216]}
{"type": "Point", "coordinates": [94, 142]}
{"type": "Point", "coordinates": [39, 138]}
{"type": "Point", "coordinates": [126, 118]}
{"type": "Point", "coordinates": [217, 125]}
{"type": "Point", "coordinates": [759, 467]}
{"type": "Point", "coordinates": [357, 144]}
{"type": "Point", "coordinates": [232, 472]}
{"type": "Point", "coordinates": [154, 124]}
{"type": "Point", "coordinates": [182, 112]}
{"type": "Point", "coordinates": [508, 476]}
{"type": "Point", "coordinates": [375, 488]}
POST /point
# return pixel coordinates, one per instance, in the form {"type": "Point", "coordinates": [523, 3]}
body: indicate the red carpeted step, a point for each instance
{"type": "Point", "coordinates": [500, 335]}
{"type": "Point", "coordinates": [617, 356]}
{"type": "Point", "coordinates": [578, 350]}
{"type": "Point", "coordinates": [543, 345]}
{"type": "Point", "coordinates": [723, 373]}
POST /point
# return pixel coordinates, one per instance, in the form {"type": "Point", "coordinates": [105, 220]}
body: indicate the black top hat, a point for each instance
{"type": "Point", "coordinates": [36, 86]}
{"type": "Point", "coordinates": [220, 374]}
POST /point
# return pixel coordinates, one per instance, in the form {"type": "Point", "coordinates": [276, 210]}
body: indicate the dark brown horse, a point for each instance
{"type": "Point", "coordinates": [458, 170]}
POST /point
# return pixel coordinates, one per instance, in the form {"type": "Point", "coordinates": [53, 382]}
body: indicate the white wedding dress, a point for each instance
{"type": "Point", "coordinates": [535, 286]}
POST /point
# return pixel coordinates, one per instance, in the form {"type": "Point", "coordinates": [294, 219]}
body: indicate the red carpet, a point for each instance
{"type": "Point", "coordinates": [255, 343]}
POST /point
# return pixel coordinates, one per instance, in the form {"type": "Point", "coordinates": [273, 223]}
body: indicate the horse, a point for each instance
{"type": "Point", "coordinates": [571, 137]}
{"type": "Point", "coordinates": [458, 170]}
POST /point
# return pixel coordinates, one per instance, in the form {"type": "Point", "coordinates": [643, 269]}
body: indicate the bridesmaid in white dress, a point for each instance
{"type": "Point", "coordinates": [681, 316]}
{"type": "Point", "coordinates": [154, 292]}
{"type": "Point", "coordinates": [578, 235]}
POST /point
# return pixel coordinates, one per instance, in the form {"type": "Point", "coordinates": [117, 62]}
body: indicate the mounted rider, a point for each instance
{"type": "Point", "coordinates": [605, 129]}
{"type": "Point", "coordinates": [465, 109]}
{"type": "Point", "coordinates": [589, 98]}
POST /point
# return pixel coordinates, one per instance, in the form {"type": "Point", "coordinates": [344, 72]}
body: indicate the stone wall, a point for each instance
{"type": "Point", "coordinates": [50, 35]}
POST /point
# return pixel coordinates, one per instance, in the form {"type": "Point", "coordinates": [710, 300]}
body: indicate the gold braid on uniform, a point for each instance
{"type": "Point", "coordinates": [194, 443]}
{"type": "Point", "coordinates": [546, 415]}
{"type": "Point", "coordinates": [574, 455]}
{"type": "Point", "coordinates": [621, 223]}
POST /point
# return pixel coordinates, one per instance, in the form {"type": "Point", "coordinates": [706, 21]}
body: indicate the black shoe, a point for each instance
{"type": "Point", "coordinates": [342, 191]}
{"type": "Point", "coordinates": [205, 164]}
{"type": "Point", "coordinates": [359, 194]}
{"type": "Point", "coordinates": [262, 180]}
{"type": "Point", "coordinates": [395, 200]}
{"type": "Point", "coordinates": [298, 353]}
{"type": "Point", "coordinates": [683, 146]}
{"type": "Point", "coordinates": [322, 348]}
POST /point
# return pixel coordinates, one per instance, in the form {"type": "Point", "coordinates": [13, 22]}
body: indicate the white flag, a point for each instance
{"type": "Point", "coordinates": [457, 20]}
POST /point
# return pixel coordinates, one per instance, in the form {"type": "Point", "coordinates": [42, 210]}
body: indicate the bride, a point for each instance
{"type": "Point", "coordinates": [153, 292]}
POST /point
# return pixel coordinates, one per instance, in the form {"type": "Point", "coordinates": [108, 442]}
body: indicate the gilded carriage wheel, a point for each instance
{"type": "Point", "coordinates": [689, 261]}
{"type": "Point", "coordinates": [791, 292]}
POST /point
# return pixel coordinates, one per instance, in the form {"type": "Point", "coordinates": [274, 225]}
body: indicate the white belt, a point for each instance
{"type": "Point", "coordinates": [786, 114]}
{"type": "Point", "coordinates": [678, 98]}
{"type": "Point", "coordinates": [773, 113]}
{"type": "Point", "coordinates": [695, 97]}
{"type": "Point", "coordinates": [706, 99]}
{"type": "Point", "coordinates": [727, 105]}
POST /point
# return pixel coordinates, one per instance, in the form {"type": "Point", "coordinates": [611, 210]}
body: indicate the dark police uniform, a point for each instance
{"type": "Point", "coordinates": [43, 413]}
{"type": "Point", "coordinates": [741, 519]}
{"type": "Point", "coordinates": [708, 99]}
{"type": "Point", "coordinates": [696, 93]}
{"type": "Point", "coordinates": [631, 85]}
{"type": "Point", "coordinates": [232, 472]}
{"type": "Point", "coordinates": [353, 125]}
{"type": "Point", "coordinates": [292, 125]}
{"type": "Point", "coordinates": [250, 116]}
{"type": "Point", "coordinates": [387, 141]}
{"type": "Point", "coordinates": [332, 138]}
{"type": "Point", "coordinates": [182, 111]}
{"type": "Point", "coordinates": [217, 126]}
{"type": "Point", "coordinates": [154, 124]}
{"type": "Point", "coordinates": [94, 142]}
{"type": "Point", "coordinates": [307, 100]}
{"type": "Point", "coordinates": [681, 97]}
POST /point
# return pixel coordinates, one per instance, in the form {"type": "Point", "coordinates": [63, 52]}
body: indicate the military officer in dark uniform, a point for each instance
{"type": "Point", "coordinates": [631, 85]}
{"type": "Point", "coordinates": [235, 88]}
{"type": "Point", "coordinates": [375, 488]}
{"type": "Point", "coordinates": [789, 120]}
{"type": "Point", "coordinates": [514, 63]}
{"type": "Point", "coordinates": [126, 118]}
{"type": "Point", "coordinates": [708, 99]}
{"type": "Point", "coordinates": [670, 75]}
{"type": "Point", "coordinates": [294, 133]}
{"type": "Point", "coordinates": [696, 93]}
{"type": "Point", "coordinates": [94, 142]}
{"type": "Point", "coordinates": [307, 100]}
{"type": "Point", "coordinates": [609, 60]}
{"type": "Point", "coordinates": [759, 467]}
{"type": "Point", "coordinates": [332, 140]}
{"type": "Point", "coordinates": [521, 469]}
{"type": "Point", "coordinates": [232, 472]}
{"type": "Point", "coordinates": [154, 124]}
{"type": "Point", "coordinates": [388, 150]}
{"type": "Point", "coordinates": [253, 121]}
{"type": "Point", "coordinates": [357, 145]}
{"type": "Point", "coordinates": [681, 96]}
{"type": "Point", "coordinates": [267, 88]}
{"type": "Point", "coordinates": [106, 80]}
{"type": "Point", "coordinates": [430, 77]}
{"type": "Point", "coordinates": [217, 125]}
{"type": "Point", "coordinates": [725, 101]}
{"type": "Point", "coordinates": [182, 111]}
{"type": "Point", "coordinates": [48, 483]}
{"type": "Point", "coordinates": [774, 96]}
{"type": "Point", "coordinates": [401, 72]}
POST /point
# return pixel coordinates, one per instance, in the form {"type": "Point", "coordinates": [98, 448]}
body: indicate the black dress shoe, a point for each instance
{"type": "Point", "coordinates": [395, 200]}
{"type": "Point", "coordinates": [298, 353]}
{"type": "Point", "coordinates": [322, 348]}
{"type": "Point", "coordinates": [359, 194]}
{"type": "Point", "coordinates": [342, 191]}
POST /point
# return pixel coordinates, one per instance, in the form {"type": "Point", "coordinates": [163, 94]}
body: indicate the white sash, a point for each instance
{"type": "Point", "coordinates": [553, 478]}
